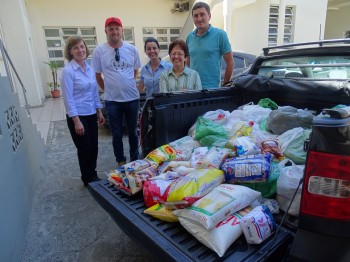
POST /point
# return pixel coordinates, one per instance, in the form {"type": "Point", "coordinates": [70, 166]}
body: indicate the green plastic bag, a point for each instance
{"type": "Point", "coordinates": [263, 125]}
{"type": "Point", "coordinates": [291, 144]}
{"type": "Point", "coordinates": [268, 103]}
{"type": "Point", "coordinates": [209, 133]}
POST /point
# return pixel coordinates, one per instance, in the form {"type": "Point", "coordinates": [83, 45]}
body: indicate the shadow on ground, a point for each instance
{"type": "Point", "coordinates": [66, 223]}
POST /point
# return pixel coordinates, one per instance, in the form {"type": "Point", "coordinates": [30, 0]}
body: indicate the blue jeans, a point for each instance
{"type": "Point", "coordinates": [116, 112]}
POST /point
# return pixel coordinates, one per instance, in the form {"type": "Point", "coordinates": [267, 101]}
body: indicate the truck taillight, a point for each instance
{"type": "Point", "coordinates": [326, 189]}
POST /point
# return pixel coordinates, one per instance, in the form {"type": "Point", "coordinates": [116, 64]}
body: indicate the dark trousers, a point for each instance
{"type": "Point", "coordinates": [116, 112]}
{"type": "Point", "coordinates": [87, 146]}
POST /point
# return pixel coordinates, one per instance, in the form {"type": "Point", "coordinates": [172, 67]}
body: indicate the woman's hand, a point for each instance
{"type": "Point", "coordinates": [79, 128]}
{"type": "Point", "coordinates": [141, 87]}
{"type": "Point", "coordinates": [101, 118]}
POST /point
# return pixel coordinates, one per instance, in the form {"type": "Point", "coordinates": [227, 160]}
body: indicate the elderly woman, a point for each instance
{"type": "Point", "coordinates": [83, 106]}
{"type": "Point", "coordinates": [180, 77]}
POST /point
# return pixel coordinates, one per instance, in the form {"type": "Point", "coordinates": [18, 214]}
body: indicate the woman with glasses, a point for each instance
{"type": "Point", "coordinates": [83, 106]}
{"type": "Point", "coordinates": [151, 72]}
{"type": "Point", "coordinates": [180, 77]}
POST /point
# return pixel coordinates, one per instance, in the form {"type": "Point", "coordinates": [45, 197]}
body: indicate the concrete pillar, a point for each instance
{"type": "Point", "coordinates": [18, 41]}
{"type": "Point", "coordinates": [227, 12]}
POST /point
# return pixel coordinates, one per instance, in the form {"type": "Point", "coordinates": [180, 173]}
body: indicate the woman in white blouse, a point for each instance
{"type": "Point", "coordinates": [83, 106]}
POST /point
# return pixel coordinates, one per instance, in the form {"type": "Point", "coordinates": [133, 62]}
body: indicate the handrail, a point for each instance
{"type": "Point", "coordinates": [5, 56]}
{"type": "Point", "coordinates": [266, 50]}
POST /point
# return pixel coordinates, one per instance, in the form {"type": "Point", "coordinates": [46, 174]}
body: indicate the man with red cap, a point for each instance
{"type": "Point", "coordinates": [119, 63]}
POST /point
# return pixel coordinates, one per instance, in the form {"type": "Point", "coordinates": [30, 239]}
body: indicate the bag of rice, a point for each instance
{"type": "Point", "coordinates": [161, 154]}
{"type": "Point", "coordinates": [137, 179]}
{"type": "Point", "coordinates": [223, 200]}
{"type": "Point", "coordinates": [184, 191]}
{"type": "Point", "coordinates": [198, 154]}
{"type": "Point", "coordinates": [153, 191]}
{"type": "Point", "coordinates": [220, 238]}
{"type": "Point", "coordinates": [214, 158]}
{"type": "Point", "coordinates": [184, 147]}
{"type": "Point", "coordinates": [249, 168]}
{"type": "Point", "coordinates": [169, 165]}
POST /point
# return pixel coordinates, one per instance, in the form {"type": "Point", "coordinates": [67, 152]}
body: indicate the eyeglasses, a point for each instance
{"type": "Point", "coordinates": [117, 56]}
{"type": "Point", "coordinates": [177, 54]}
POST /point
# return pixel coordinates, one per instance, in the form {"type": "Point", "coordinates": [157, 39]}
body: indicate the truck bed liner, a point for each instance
{"type": "Point", "coordinates": [170, 241]}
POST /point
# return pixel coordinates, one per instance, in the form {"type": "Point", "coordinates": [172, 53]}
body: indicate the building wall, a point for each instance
{"type": "Point", "coordinates": [310, 17]}
{"type": "Point", "coordinates": [250, 27]}
{"type": "Point", "coordinates": [20, 45]}
{"type": "Point", "coordinates": [22, 159]}
{"type": "Point", "coordinates": [338, 21]}
{"type": "Point", "coordinates": [250, 23]}
{"type": "Point", "coordinates": [133, 13]}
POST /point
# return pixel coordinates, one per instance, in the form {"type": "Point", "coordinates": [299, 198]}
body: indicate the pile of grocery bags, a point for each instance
{"type": "Point", "coordinates": [227, 176]}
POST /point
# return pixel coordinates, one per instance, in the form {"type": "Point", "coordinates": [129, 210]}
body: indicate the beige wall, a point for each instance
{"type": "Point", "coordinates": [133, 13]}
{"type": "Point", "coordinates": [250, 27]}
{"type": "Point", "coordinates": [309, 18]}
{"type": "Point", "coordinates": [338, 21]}
{"type": "Point", "coordinates": [250, 23]}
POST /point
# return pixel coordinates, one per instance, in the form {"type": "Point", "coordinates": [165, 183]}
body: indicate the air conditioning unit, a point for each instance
{"type": "Point", "coordinates": [181, 7]}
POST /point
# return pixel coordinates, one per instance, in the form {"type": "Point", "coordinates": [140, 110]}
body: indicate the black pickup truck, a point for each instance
{"type": "Point", "coordinates": [315, 76]}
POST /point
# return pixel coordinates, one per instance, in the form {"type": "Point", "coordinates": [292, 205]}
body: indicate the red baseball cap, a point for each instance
{"type": "Point", "coordinates": [113, 20]}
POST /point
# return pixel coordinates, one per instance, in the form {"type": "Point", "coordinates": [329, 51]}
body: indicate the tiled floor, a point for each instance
{"type": "Point", "coordinates": [53, 110]}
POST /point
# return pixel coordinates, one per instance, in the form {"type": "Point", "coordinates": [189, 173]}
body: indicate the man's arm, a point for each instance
{"type": "Point", "coordinates": [229, 68]}
{"type": "Point", "coordinates": [100, 81]}
{"type": "Point", "coordinates": [136, 72]}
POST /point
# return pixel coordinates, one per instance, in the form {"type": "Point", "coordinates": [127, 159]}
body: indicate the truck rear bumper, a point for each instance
{"type": "Point", "coordinates": [310, 246]}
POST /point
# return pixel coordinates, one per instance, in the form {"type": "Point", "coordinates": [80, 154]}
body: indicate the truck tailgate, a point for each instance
{"type": "Point", "coordinates": [170, 241]}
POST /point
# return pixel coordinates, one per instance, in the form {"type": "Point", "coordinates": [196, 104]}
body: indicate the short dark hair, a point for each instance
{"type": "Point", "coordinates": [151, 40]}
{"type": "Point", "coordinates": [201, 5]}
{"type": "Point", "coordinates": [72, 41]}
{"type": "Point", "coordinates": [182, 44]}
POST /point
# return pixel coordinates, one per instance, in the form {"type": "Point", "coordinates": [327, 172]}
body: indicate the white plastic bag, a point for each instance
{"type": "Point", "coordinates": [287, 184]}
{"type": "Point", "coordinates": [255, 113]}
{"type": "Point", "coordinates": [218, 116]}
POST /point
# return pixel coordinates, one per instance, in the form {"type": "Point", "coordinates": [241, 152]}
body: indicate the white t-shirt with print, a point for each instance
{"type": "Point", "coordinates": [119, 81]}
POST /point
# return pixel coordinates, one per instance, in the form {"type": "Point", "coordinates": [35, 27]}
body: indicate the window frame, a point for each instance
{"type": "Point", "coordinates": [168, 35]}
{"type": "Point", "coordinates": [289, 22]}
{"type": "Point", "coordinates": [63, 36]}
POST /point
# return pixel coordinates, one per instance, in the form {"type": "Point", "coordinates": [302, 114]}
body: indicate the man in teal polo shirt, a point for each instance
{"type": "Point", "coordinates": [207, 45]}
